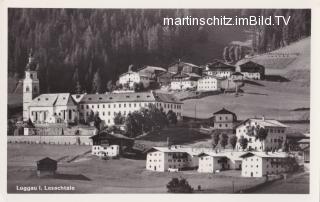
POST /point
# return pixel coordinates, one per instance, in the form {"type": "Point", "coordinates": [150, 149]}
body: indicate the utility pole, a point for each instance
{"type": "Point", "coordinates": [195, 112]}
{"type": "Point", "coordinates": [232, 186]}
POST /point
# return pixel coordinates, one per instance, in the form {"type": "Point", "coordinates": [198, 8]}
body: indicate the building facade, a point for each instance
{"type": "Point", "coordinates": [211, 162]}
{"type": "Point", "coordinates": [209, 83]}
{"type": "Point", "coordinates": [109, 105]}
{"type": "Point", "coordinates": [275, 138]}
{"type": "Point", "coordinates": [173, 157]}
{"type": "Point", "coordinates": [131, 77]}
{"type": "Point", "coordinates": [252, 70]}
{"type": "Point", "coordinates": [53, 108]}
{"type": "Point", "coordinates": [260, 164]}
{"type": "Point", "coordinates": [219, 69]}
{"type": "Point", "coordinates": [107, 144]}
{"type": "Point", "coordinates": [224, 119]}
{"type": "Point", "coordinates": [183, 81]}
{"type": "Point", "coordinates": [184, 67]}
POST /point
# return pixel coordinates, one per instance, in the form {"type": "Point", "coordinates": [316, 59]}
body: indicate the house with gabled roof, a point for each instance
{"type": "Point", "coordinates": [220, 69]}
{"type": "Point", "coordinates": [209, 83]}
{"type": "Point", "coordinates": [224, 120]}
{"type": "Point", "coordinates": [274, 133]}
{"type": "Point", "coordinates": [184, 67]}
{"type": "Point", "coordinates": [252, 70]}
{"type": "Point", "coordinates": [110, 144]}
{"type": "Point", "coordinates": [53, 108]}
{"type": "Point", "coordinates": [182, 81]}
{"type": "Point", "coordinates": [260, 164]}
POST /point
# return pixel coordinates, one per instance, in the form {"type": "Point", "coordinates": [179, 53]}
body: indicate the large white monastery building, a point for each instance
{"type": "Point", "coordinates": [109, 105]}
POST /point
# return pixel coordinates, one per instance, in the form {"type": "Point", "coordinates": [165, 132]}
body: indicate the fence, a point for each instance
{"type": "Point", "coordinates": [72, 139]}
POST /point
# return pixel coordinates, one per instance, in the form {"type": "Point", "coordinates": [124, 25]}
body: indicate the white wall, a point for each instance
{"type": "Point", "coordinates": [271, 142]}
{"type": "Point", "coordinates": [208, 84]}
{"type": "Point", "coordinates": [111, 150]}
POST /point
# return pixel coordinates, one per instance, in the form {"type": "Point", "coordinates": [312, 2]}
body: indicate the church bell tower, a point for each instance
{"type": "Point", "coordinates": [30, 85]}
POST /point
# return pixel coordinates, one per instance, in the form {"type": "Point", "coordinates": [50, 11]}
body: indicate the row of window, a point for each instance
{"type": "Point", "coordinates": [269, 130]}
{"type": "Point", "coordinates": [124, 105]}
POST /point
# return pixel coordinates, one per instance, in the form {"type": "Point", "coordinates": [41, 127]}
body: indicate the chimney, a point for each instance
{"type": "Point", "coordinates": [263, 118]}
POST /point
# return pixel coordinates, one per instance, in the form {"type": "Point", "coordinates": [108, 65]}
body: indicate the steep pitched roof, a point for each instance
{"type": "Point", "coordinates": [221, 66]}
{"type": "Point", "coordinates": [251, 67]}
{"type": "Point", "coordinates": [53, 99]}
{"type": "Point", "coordinates": [224, 111]}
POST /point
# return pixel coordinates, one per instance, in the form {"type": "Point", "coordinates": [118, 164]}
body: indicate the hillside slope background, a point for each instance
{"type": "Point", "coordinates": [90, 45]}
{"type": "Point", "coordinates": [287, 99]}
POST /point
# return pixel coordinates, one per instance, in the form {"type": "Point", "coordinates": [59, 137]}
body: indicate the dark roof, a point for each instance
{"type": "Point", "coordinates": [47, 160]}
{"type": "Point", "coordinates": [237, 74]}
{"type": "Point", "coordinates": [224, 111]}
{"type": "Point", "coordinates": [221, 66]}
{"type": "Point", "coordinates": [182, 63]}
{"type": "Point", "coordinates": [129, 97]}
{"type": "Point", "coordinates": [53, 99]}
{"type": "Point", "coordinates": [251, 67]}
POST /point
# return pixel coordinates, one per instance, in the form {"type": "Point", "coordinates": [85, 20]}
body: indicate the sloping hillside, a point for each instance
{"type": "Point", "coordinates": [271, 98]}
{"type": "Point", "coordinates": [291, 62]}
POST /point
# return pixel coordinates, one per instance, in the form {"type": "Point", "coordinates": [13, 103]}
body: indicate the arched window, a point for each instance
{"type": "Point", "coordinates": [27, 89]}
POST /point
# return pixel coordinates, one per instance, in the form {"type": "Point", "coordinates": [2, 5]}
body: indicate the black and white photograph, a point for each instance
{"type": "Point", "coordinates": [171, 101]}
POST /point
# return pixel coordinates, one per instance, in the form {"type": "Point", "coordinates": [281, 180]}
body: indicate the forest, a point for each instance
{"type": "Point", "coordinates": [85, 49]}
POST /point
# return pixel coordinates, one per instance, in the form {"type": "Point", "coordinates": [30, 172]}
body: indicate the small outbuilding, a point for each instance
{"type": "Point", "coordinates": [46, 167]}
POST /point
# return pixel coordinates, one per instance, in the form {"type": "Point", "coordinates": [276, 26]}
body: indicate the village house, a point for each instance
{"type": "Point", "coordinates": [211, 162]}
{"type": "Point", "coordinates": [219, 69]}
{"type": "Point", "coordinates": [224, 120]}
{"type": "Point", "coordinates": [109, 105]}
{"type": "Point", "coordinates": [237, 76]}
{"type": "Point", "coordinates": [109, 144]}
{"type": "Point", "coordinates": [183, 81]}
{"type": "Point", "coordinates": [276, 134]}
{"type": "Point", "coordinates": [184, 67]}
{"type": "Point", "coordinates": [259, 164]}
{"type": "Point", "coordinates": [151, 72]}
{"type": "Point", "coordinates": [252, 70]}
{"type": "Point", "coordinates": [209, 83]}
{"type": "Point", "coordinates": [130, 77]}
{"type": "Point", "coordinates": [164, 79]}
{"type": "Point", "coordinates": [173, 157]}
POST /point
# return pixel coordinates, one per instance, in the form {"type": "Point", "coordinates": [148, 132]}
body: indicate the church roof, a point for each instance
{"type": "Point", "coordinates": [53, 99]}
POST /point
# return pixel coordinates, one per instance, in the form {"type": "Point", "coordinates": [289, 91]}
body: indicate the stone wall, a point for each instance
{"type": "Point", "coordinates": [70, 139]}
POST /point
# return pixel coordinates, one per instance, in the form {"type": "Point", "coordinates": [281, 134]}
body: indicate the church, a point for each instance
{"type": "Point", "coordinates": [65, 108]}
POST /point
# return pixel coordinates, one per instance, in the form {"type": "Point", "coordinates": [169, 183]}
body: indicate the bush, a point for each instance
{"type": "Point", "coordinates": [179, 186]}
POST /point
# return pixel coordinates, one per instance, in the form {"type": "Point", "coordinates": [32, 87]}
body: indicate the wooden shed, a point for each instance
{"type": "Point", "coordinates": [46, 167]}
